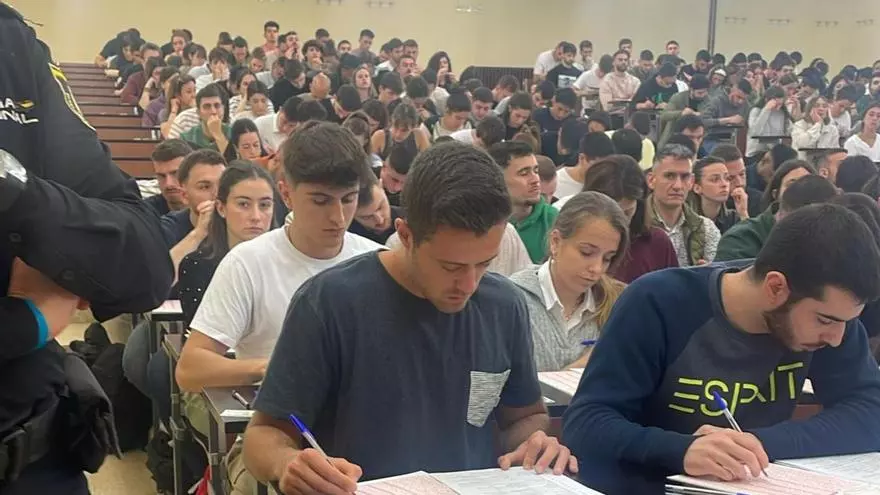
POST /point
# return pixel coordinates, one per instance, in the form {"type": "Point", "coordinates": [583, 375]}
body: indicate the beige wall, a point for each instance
{"type": "Point", "coordinates": [505, 32]}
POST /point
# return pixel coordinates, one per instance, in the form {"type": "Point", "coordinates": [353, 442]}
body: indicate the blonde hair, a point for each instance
{"type": "Point", "coordinates": [592, 205]}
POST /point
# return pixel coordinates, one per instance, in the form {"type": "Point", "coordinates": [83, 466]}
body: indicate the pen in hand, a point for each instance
{"type": "Point", "coordinates": [307, 434]}
{"type": "Point", "coordinates": [722, 404]}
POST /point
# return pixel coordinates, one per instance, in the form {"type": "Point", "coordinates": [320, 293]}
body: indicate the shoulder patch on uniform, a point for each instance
{"type": "Point", "coordinates": [67, 93]}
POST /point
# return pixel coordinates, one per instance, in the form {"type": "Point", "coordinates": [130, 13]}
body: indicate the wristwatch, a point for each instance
{"type": "Point", "coordinates": [13, 179]}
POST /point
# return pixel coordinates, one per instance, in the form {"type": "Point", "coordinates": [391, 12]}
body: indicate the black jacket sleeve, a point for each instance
{"type": "Point", "coordinates": [80, 219]}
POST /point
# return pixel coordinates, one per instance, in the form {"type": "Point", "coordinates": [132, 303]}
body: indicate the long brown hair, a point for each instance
{"type": "Point", "coordinates": [574, 214]}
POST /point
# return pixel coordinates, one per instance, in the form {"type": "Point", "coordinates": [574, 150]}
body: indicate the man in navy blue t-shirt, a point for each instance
{"type": "Point", "coordinates": [408, 359]}
{"type": "Point", "coordinates": [750, 332]}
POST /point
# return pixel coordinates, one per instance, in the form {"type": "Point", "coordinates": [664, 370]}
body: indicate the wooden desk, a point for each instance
{"type": "Point", "coordinates": [78, 65]}
{"type": "Point", "coordinates": [773, 139]}
{"type": "Point", "coordinates": [86, 100]}
{"type": "Point", "coordinates": [128, 133]}
{"type": "Point", "coordinates": [107, 85]}
{"type": "Point", "coordinates": [113, 120]}
{"type": "Point", "coordinates": [139, 168]}
{"type": "Point", "coordinates": [141, 148]}
{"type": "Point", "coordinates": [87, 76]}
{"type": "Point", "coordinates": [107, 109]}
{"type": "Point", "coordinates": [82, 91]}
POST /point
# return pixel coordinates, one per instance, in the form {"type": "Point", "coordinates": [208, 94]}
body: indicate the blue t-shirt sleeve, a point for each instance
{"type": "Point", "coordinates": [847, 383]}
{"type": "Point", "coordinates": [522, 387]}
{"type": "Point", "coordinates": [302, 368]}
{"type": "Point", "coordinates": [624, 370]}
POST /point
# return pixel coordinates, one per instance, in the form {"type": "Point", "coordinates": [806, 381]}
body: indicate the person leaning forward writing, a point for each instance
{"type": "Point", "coordinates": [427, 355]}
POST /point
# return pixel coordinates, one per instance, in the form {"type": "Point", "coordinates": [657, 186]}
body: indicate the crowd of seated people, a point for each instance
{"type": "Point", "coordinates": [412, 247]}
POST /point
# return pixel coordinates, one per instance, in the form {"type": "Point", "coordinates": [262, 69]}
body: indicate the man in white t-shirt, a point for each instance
{"type": "Point", "coordinates": [247, 299]}
{"type": "Point", "coordinates": [593, 147]}
{"type": "Point", "coordinates": [219, 65]}
{"type": "Point", "coordinates": [275, 128]}
{"type": "Point", "coordinates": [587, 84]}
{"type": "Point", "coordinates": [547, 60]}
{"type": "Point", "coordinates": [489, 131]}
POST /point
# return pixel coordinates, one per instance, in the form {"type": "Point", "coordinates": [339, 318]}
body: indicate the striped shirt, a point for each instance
{"type": "Point", "coordinates": [184, 121]}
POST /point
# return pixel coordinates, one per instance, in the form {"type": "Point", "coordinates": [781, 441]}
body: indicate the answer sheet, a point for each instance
{"type": "Point", "coordinates": [419, 483]}
{"type": "Point", "coordinates": [782, 480]}
{"type": "Point", "coordinates": [859, 467]}
{"type": "Point", "coordinates": [514, 481]}
{"type": "Point", "coordinates": [560, 386]}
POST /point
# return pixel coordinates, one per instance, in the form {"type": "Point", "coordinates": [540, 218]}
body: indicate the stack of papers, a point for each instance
{"type": "Point", "coordinates": [858, 467]}
{"type": "Point", "coordinates": [783, 480]}
{"type": "Point", "coordinates": [560, 386]}
{"type": "Point", "coordinates": [515, 481]}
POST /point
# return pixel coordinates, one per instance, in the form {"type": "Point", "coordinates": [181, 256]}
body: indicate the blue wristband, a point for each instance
{"type": "Point", "coordinates": [43, 327]}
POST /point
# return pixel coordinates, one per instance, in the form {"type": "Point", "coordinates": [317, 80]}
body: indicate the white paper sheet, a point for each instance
{"type": "Point", "coordinates": [782, 480]}
{"type": "Point", "coordinates": [859, 467]}
{"type": "Point", "coordinates": [565, 381]}
{"type": "Point", "coordinates": [514, 481]}
{"type": "Point", "coordinates": [419, 483]}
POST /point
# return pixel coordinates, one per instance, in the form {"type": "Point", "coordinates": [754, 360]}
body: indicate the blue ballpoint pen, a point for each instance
{"type": "Point", "coordinates": [589, 342]}
{"type": "Point", "coordinates": [722, 404]}
{"type": "Point", "coordinates": [307, 434]}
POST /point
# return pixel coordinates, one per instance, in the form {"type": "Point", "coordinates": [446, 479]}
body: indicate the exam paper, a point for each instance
{"type": "Point", "coordinates": [419, 483]}
{"type": "Point", "coordinates": [566, 381]}
{"type": "Point", "coordinates": [511, 482]}
{"type": "Point", "coordinates": [858, 467]}
{"type": "Point", "coordinates": [782, 480]}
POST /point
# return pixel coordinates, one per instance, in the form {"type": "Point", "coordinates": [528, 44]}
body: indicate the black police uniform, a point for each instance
{"type": "Point", "coordinates": [72, 214]}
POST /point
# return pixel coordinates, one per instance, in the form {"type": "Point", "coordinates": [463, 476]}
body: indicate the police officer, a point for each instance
{"type": "Point", "coordinates": [73, 230]}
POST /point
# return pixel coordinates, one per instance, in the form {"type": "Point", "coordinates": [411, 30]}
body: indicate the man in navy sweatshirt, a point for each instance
{"type": "Point", "coordinates": [752, 332]}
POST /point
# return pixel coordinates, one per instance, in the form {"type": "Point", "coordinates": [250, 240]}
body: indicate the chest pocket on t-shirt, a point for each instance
{"type": "Point", "coordinates": [484, 395]}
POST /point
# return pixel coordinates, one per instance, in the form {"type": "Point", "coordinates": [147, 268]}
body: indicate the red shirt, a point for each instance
{"type": "Point", "coordinates": [647, 253]}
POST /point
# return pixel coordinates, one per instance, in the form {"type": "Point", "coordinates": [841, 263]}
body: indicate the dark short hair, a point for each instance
{"type": "Point", "coordinates": [619, 177]}
{"type": "Point", "coordinates": [405, 114]}
{"type": "Point", "coordinates": [482, 94]}
{"type": "Point", "coordinates": [586, 44]}
{"type": "Point", "coordinates": [680, 139]}
{"type": "Point", "coordinates": [457, 186]}
{"type": "Point", "coordinates": [392, 81]}
{"type": "Point", "coordinates": [865, 207]}
{"type": "Point", "coordinates": [704, 56]}
{"type": "Point", "coordinates": [310, 110]}
{"type": "Point", "coordinates": [508, 82]}
{"type": "Point", "coordinates": [571, 133]}
{"type": "Point", "coordinates": [604, 118]}
{"type": "Point", "coordinates": [198, 157]}
{"type": "Point", "coordinates": [291, 108]}
{"type": "Point", "coordinates": [647, 56]}
{"type": "Point", "coordinates": [546, 168]}
{"type": "Point", "coordinates": [214, 90]}
{"type": "Point", "coordinates": [321, 33]}
{"type": "Point", "coordinates": [520, 100]}
{"type": "Point", "coordinates": [348, 98]}
{"type": "Point", "coordinates": [546, 89]}
{"type": "Point", "coordinates": [739, 58]}
{"type": "Point", "coordinates": [472, 84]}
{"type": "Point", "coordinates": [596, 145]}
{"type": "Point", "coordinates": [504, 152]}
{"type": "Point", "coordinates": [771, 192]}
{"type": "Point", "coordinates": [566, 97]}
{"type": "Point", "coordinates": [393, 44]}
{"type": "Point", "coordinates": [821, 246]}
{"type": "Point", "coordinates": [727, 152]}
{"type": "Point", "coordinates": [151, 65]}
{"type": "Point", "coordinates": [257, 88]}
{"type": "Point", "coordinates": [781, 153]}
{"type": "Point", "coordinates": [568, 47]}
{"type": "Point", "coordinates": [218, 55]}
{"type": "Point", "coordinates": [269, 24]}
{"type": "Point", "coordinates": [491, 130]}
{"type": "Point", "coordinates": [458, 102]}
{"type": "Point", "coordinates": [624, 41]}
{"type": "Point", "coordinates": [417, 87]}
{"type": "Point", "coordinates": [672, 42]}
{"type": "Point", "coordinates": [326, 154]}
{"type": "Point", "coordinates": [667, 70]}
{"type": "Point", "coordinates": [239, 42]}
{"type": "Point", "coordinates": [849, 93]}
{"type": "Point", "coordinates": [606, 63]}
{"type": "Point", "coordinates": [196, 49]}
{"type": "Point", "coordinates": [627, 142]}
{"type": "Point", "coordinates": [170, 149]}
{"type": "Point", "coordinates": [400, 158]}
{"type": "Point", "coordinates": [854, 172]}
{"type": "Point", "coordinates": [411, 43]}
{"type": "Point", "coordinates": [312, 44]}
{"type": "Point", "coordinates": [689, 122]}
{"type": "Point", "coordinates": [366, 33]}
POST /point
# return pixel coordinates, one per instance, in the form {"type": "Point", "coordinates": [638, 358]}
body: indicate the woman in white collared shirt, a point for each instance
{"type": "Point", "coordinates": [570, 296]}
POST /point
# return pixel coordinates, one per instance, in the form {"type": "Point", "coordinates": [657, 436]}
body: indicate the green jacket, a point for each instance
{"type": "Point", "coordinates": [745, 239]}
{"type": "Point", "coordinates": [534, 228]}
{"type": "Point", "coordinates": [197, 138]}
{"type": "Point", "coordinates": [670, 115]}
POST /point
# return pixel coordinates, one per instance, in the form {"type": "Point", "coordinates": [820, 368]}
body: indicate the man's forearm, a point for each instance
{"type": "Point", "coordinates": [200, 368]}
{"type": "Point", "coordinates": [521, 430]}
{"type": "Point", "coordinates": [267, 450]}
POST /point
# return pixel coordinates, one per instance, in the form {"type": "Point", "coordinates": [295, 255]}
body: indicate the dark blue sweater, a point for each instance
{"type": "Point", "coordinates": [668, 346]}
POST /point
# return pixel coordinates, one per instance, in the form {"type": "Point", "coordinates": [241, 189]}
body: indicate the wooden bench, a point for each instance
{"type": "Point", "coordinates": [139, 168]}
{"type": "Point", "coordinates": [130, 148]}
{"type": "Point", "coordinates": [78, 65]}
{"type": "Point", "coordinates": [82, 71]}
{"type": "Point", "coordinates": [127, 133]}
{"type": "Point", "coordinates": [112, 109]}
{"type": "Point", "coordinates": [97, 100]}
{"type": "Point", "coordinates": [91, 76]}
{"type": "Point", "coordinates": [108, 85]}
{"type": "Point", "coordinates": [92, 91]}
{"type": "Point", "coordinates": [130, 121]}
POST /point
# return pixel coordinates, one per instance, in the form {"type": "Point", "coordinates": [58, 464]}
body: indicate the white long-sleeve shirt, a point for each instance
{"type": "Point", "coordinates": [819, 135]}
